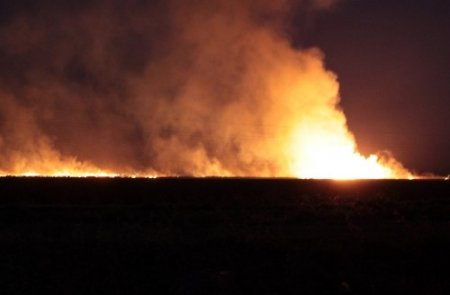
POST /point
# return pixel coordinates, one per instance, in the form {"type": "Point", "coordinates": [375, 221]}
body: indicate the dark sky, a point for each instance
{"type": "Point", "coordinates": [148, 85]}
{"type": "Point", "coordinates": [392, 59]}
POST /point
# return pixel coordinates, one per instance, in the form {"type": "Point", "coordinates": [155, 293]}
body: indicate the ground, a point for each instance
{"type": "Point", "coordinates": [224, 236]}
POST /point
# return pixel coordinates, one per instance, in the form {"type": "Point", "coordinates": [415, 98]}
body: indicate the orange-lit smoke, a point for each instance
{"type": "Point", "coordinates": [198, 88]}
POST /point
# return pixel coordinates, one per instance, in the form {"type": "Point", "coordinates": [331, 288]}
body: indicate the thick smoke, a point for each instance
{"type": "Point", "coordinates": [167, 87]}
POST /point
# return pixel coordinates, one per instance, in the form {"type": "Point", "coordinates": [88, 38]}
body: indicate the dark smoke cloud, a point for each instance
{"type": "Point", "coordinates": [172, 87]}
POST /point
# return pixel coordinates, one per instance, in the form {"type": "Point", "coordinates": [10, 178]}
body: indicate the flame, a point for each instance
{"type": "Point", "coordinates": [318, 143]}
{"type": "Point", "coordinates": [58, 166]}
{"type": "Point", "coordinates": [78, 174]}
{"type": "Point", "coordinates": [313, 144]}
{"type": "Point", "coordinates": [235, 99]}
{"type": "Point", "coordinates": [327, 156]}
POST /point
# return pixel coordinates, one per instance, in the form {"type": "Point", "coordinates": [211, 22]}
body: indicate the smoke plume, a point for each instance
{"type": "Point", "coordinates": [137, 87]}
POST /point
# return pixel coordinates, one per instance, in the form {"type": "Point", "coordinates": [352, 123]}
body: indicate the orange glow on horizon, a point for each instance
{"type": "Point", "coordinates": [78, 174]}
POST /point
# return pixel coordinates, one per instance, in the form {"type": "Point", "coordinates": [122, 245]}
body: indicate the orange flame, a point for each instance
{"type": "Point", "coordinates": [57, 166]}
{"type": "Point", "coordinates": [318, 143]}
{"type": "Point", "coordinates": [334, 157]}
{"type": "Point", "coordinates": [315, 143]}
{"type": "Point", "coordinates": [247, 104]}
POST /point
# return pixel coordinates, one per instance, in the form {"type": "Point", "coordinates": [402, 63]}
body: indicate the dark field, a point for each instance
{"type": "Point", "coordinates": [224, 236]}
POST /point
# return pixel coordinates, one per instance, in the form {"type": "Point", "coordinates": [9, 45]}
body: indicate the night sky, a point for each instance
{"type": "Point", "coordinates": [392, 59]}
{"type": "Point", "coordinates": [72, 71]}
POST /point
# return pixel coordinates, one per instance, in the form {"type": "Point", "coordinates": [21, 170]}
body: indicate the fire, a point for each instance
{"type": "Point", "coordinates": [314, 155]}
{"type": "Point", "coordinates": [301, 114]}
{"type": "Point", "coordinates": [316, 139]}
{"type": "Point", "coordinates": [235, 100]}
{"type": "Point", "coordinates": [69, 173]}
{"type": "Point", "coordinates": [312, 145]}
{"type": "Point", "coordinates": [78, 174]}
{"type": "Point", "coordinates": [68, 167]}
{"type": "Point", "coordinates": [327, 156]}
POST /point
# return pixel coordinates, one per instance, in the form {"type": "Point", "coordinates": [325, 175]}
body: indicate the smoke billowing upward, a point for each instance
{"type": "Point", "coordinates": [167, 88]}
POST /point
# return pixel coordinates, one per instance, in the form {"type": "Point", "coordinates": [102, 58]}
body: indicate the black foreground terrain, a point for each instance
{"type": "Point", "coordinates": [223, 236]}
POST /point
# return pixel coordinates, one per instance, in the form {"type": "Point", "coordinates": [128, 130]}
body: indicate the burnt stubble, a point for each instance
{"type": "Point", "coordinates": [224, 236]}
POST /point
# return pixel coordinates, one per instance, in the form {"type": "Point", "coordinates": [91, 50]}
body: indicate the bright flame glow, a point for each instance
{"type": "Point", "coordinates": [78, 174]}
{"type": "Point", "coordinates": [328, 157]}
{"type": "Point", "coordinates": [71, 168]}
{"type": "Point", "coordinates": [277, 116]}
{"type": "Point", "coordinates": [235, 99]}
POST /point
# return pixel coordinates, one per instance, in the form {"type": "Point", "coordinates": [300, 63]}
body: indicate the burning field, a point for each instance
{"type": "Point", "coordinates": [157, 147]}
{"type": "Point", "coordinates": [172, 88]}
